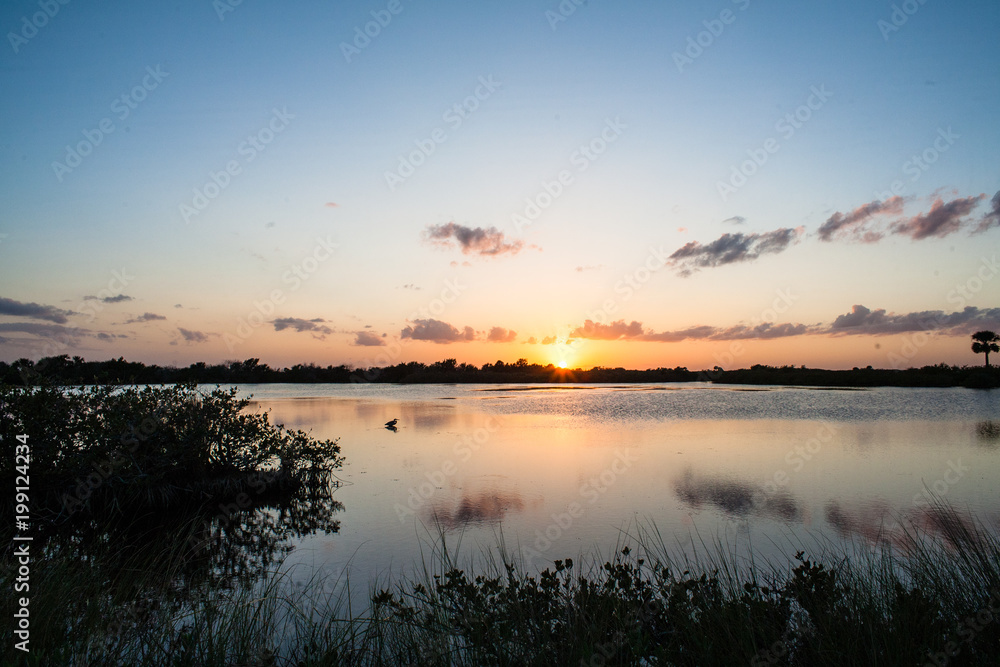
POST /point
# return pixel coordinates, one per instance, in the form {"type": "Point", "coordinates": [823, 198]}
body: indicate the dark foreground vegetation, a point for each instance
{"type": "Point", "coordinates": [930, 602]}
{"type": "Point", "coordinates": [161, 516]}
{"type": "Point", "coordinates": [127, 450]}
{"type": "Point", "coordinates": [64, 370]}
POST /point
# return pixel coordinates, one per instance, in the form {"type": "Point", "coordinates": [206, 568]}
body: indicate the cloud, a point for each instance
{"type": "Point", "coordinates": [735, 220]}
{"type": "Point", "coordinates": [531, 341]}
{"type": "Point", "coordinates": [118, 298]}
{"type": "Point", "coordinates": [691, 333]}
{"type": "Point", "coordinates": [992, 218]}
{"type": "Point", "coordinates": [438, 332]}
{"type": "Point", "coordinates": [300, 325]}
{"type": "Point", "coordinates": [270, 225]}
{"type": "Point", "coordinates": [45, 330]}
{"type": "Point", "coordinates": [473, 240]}
{"type": "Point", "coordinates": [501, 335]}
{"type": "Point", "coordinates": [855, 224]}
{"type": "Point", "coordinates": [732, 248]}
{"type": "Point", "coordinates": [864, 321]}
{"type": "Point", "coordinates": [193, 336]}
{"type": "Point", "coordinates": [594, 331]}
{"type": "Point", "coordinates": [145, 317]}
{"type": "Point", "coordinates": [33, 310]}
{"type": "Point", "coordinates": [762, 331]}
{"type": "Point", "coordinates": [550, 340]}
{"type": "Point", "coordinates": [943, 219]}
{"type": "Point", "coordinates": [368, 339]}
{"type": "Point", "coordinates": [331, 204]}
{"type": "Point", "coordinates": [411, 286]}
{"type": "Point", "coordinates": [581, 269]}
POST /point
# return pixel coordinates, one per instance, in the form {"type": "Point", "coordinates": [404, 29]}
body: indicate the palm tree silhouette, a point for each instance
{"type": "Point", "coordinates": [985, 342]}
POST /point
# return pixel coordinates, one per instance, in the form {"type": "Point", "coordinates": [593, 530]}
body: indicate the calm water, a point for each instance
{"type": "Point", "coordinates": [562, 471]}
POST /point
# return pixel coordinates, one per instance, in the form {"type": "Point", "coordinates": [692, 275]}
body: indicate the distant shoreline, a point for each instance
{"type": "Point", "coordinates": [63, 370]}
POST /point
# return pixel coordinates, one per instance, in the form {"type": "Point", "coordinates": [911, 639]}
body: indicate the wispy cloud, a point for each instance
{"type": "Point", "coordinates": [861, 321]}
{"type": "Point", "coordinates": [762, 331]}
{"type": "Point", "coordinates": [943, 219]}
{"type": "Point", "coordinates": [118, 298]}
{"type": "Point", "coordinates": [437, 331]}
{"type": "Point", "coordinates": [145, 317]}
{"type": "Point", "coordinates": [33, 310]}
{"type": "Point", "coordinates": [864, 321]}
{"type": "Point", "coordinates": [300, 325]}
{"type": "Point", "coordinates": [992, 217]}
{"type": "Point", "coordinates": [735, 220]}
{"type": "Point", "coordinates": [481, 241]}
{"type": "Point", "coordinates": [368, 339]}
{"type": "Point", "coordinates": [44, 330]}
{"type": "Point", "coordinates": [733, 248]}
{"type": "Point", "coordinates": [501, 335]}
{"type": "Point", "coordinates": [855, 225]}
{"type": "Point", "coordinates": [874, 221]}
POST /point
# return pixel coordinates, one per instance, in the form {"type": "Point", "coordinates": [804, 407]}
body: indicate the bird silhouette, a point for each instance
{"type": "Point", "coordinates": [391, 424]}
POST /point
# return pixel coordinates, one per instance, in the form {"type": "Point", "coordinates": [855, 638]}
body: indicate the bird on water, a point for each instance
{"type": "Point", "coordinates": [392, 423]}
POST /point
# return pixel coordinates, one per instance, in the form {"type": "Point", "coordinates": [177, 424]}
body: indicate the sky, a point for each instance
{"type": "Point", "coordinates": [586, 183]}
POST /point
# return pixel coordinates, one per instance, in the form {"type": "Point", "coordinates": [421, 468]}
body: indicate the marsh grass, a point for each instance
{"type": "Point", "coordinates": [908, 601]}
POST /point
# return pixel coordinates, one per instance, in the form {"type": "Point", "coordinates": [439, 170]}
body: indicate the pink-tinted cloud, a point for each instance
{"type": "Point", "coordinates": [487, 242]}
{"type": "Point", "coordinates": [368, 339]}
{"type": "Point", "coordinates": [501, 335]}
{"type": "Point", "coordinates": [614, 331]}
{"type": "Point", "coordinates": [856, 225]}
{"type": "Point", "coordinates": [864, 321]}
{"type": "Point", "coordinates": [943, 219]}
{"type": "Point", "coordinates": [992, 217]}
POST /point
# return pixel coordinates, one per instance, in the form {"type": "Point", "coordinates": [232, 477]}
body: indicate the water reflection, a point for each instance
{"type": "Point", "coordinates": [225, 543]}
{"type": "Point", "coordinates": [735, 497]}
{"type": "Point", "coordinates": [988, 433]}
{"type": "Point", "coordinates": [878, 522]}
{"type": "Point", "coordinates": [488, 507]}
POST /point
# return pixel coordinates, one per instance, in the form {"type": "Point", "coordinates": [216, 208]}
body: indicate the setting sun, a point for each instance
{"type": "Point", "coordinates": [562, 364]}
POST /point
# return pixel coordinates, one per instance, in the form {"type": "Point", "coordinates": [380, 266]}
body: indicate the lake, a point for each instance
{"type": "Point", "coordinates": [569, 470]}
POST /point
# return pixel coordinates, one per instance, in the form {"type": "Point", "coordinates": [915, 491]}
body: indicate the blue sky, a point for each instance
{"type": "Point", "coordinates": [198, 82]}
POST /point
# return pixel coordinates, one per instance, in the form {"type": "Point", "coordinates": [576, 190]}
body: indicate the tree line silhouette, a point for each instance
{"type": "Point", "coordinates": [66, 370]}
